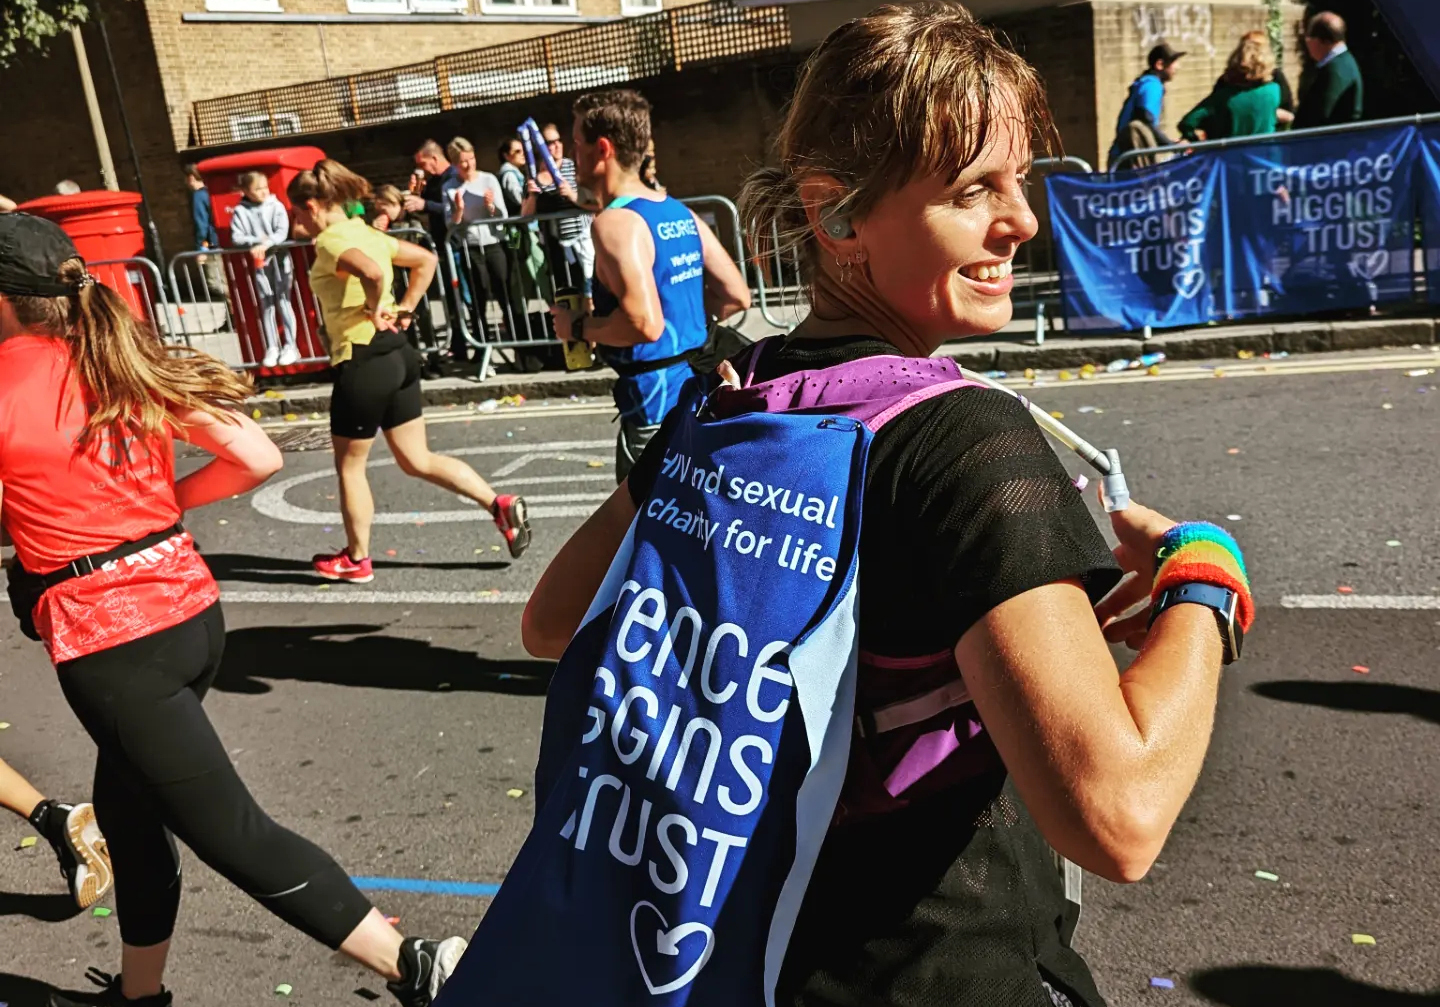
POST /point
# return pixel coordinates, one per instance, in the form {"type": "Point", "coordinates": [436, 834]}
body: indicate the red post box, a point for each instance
{"type": "Point", "coordinates": [279, 165]}
{"type": "Point", "coordinates": [104, 226]}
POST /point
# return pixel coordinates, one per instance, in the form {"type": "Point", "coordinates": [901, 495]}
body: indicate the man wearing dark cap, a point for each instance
{"type": "Point", "coordinates": [1139, 124]}
{"type": "Point", "coordinates": [1331, 91]}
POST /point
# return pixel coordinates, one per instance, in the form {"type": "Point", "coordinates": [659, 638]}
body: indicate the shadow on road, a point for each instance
{"type": "Point", "coordinates": [1270, 985]}
{"type": "Point", "coordinates": [1361, 697]}
{"type": "Point", "coordinates": [46, 908]}
{"type": "Point", "coordinates": [230, 566]}
{"type": "Point", "coordinates": [256, 656]}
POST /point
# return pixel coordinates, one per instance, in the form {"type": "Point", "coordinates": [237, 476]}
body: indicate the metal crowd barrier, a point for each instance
{"type": "Point", "coordinates": [1039, 284]}
{"type": "Point", "coordinates": [1280, 136]}
{"type": "Point", "coordinates": [138, 280]}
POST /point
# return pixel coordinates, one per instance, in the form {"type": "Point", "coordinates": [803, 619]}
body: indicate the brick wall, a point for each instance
{"type": "Point", "coordinates": [1206, 32]}
{"type": "Point", "coordinates": [45, 131]}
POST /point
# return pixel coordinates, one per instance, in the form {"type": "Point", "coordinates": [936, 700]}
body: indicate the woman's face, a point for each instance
{"type": "Point", "coordinates": [258, 192]}
{"type": "Point", "coordinates": [305, 219]}
{"type": "Point", "coordinates": [939, 255]}
{"type": "Point", "coordinates": [466, 163]}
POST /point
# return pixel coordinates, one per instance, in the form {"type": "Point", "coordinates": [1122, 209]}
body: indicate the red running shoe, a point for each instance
{"type": "Point", "coordinates": [341, 567]}
{"type": "Point", "coordinates": [509, 513]}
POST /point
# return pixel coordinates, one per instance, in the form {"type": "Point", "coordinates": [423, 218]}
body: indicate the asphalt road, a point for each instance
{"type": "Point", "coordinates": [392, 732]}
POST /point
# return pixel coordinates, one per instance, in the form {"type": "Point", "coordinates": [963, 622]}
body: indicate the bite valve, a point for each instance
{"type": "Point", "coordinates": [1114, 492]}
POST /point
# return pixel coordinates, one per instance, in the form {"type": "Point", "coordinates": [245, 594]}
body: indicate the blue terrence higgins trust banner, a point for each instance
{"type": "Point", "coordinates": [1322, 223]}
{"type": "Point", "coordinates": [1429, 170]}
{"type": "Point", "coordinates": [1140, 248]}
{"type": "Point", "coordinates": [696, 735]}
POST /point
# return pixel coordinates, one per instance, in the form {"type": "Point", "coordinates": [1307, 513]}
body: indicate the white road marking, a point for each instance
{"type": "Point", "coordinates": [356, 595]}
{"type": "Point", "coordinates": [1393, 602]}
{"type": "Point", "coordinates": [270, 500]}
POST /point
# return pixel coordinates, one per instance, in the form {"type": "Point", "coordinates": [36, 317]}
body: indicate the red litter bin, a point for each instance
{"type": "Point", "coordinates": [105, 226]}
{"type": "Point", "coordinates": [279, 165]}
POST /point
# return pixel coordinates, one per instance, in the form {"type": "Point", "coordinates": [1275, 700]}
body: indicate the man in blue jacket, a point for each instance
{"type": "Point", "coordinates": [202, 215]}
{"type": "Point", "coordinates": [1139, 124]}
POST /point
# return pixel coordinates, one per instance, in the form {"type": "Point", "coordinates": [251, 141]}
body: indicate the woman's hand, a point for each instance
{"type": "Point", "coordinates": [1139, 530]}
{"type": "Point", "coordinates": [384, 317]}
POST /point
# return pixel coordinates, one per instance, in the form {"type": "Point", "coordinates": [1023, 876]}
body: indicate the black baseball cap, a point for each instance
{"type": "Point", "coordinates": [1163, 53]}
{"type": "Point", "coordinates": [32, 250]}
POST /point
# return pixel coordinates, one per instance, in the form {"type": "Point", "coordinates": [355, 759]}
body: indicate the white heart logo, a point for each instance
{"type": "Point", "coordinates": [667, 942]}
{"type": "Point", "coordinates": [1368, 265]}
{"type": "Point", "coordinates": [1188, 283]}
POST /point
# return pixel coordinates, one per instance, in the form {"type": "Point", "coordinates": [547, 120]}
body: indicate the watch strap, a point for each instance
{"type": "Point", "coordinates": [1222, 600]}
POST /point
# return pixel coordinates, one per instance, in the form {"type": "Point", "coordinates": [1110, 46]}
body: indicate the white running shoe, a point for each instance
{"type": "Point", "coordinates": [289, 355]}
{"type": "Point", "coordinates": [272, 357]}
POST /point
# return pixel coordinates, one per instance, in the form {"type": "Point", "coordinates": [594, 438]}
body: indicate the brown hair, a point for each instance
{"type": "Point", "coordinates": [388, 193]}
{"type": "Point", "coordinates": [621, 116]}
{"type": "Point", "coordinates": [903, 93]}
{"type": "Point", "coordinates": [458, 146]}
{"type": "Point", "coordinates": [1252, 62]}
{"type": "Point", "coordinates": [193, 171]}
{"type": "Point", "coordinates": [249, 178]}
{"type": "Point", "coordinates": [132, 381]}
{"type": "Point", "coordinates": [330, 182]}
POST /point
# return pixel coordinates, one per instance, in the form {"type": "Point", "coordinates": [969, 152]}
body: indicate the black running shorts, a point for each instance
{"type": "Point", "coordinates": [378, 388]}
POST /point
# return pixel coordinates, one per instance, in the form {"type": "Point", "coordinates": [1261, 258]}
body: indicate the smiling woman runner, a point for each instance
{"type": "Point", "coordinates": [377, 371]}
{"type": "Point", "coordinates": [90, 402]}
{"type": "Point", "coordinates": [991, 722]}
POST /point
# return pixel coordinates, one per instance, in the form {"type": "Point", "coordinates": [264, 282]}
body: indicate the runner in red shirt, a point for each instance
{"type": "Point", "coordinates": [109, 580]}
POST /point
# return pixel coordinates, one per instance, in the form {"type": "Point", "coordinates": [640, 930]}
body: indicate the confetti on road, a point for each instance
{"type": "Point", "coordinates": [322, 587]}
{"type": "Point", "coordinates": [494, 548]}
{"type": "Point", "coordinates": [514, 792]}
{"type": "Point", "coordinates": [1392, 543]}
{"type": "Point", "coordinates": [284, 990]}
{"type": "Point", "coordinates": [272, 394]}
{"type": "Point", "coordinates": [392, 920]}
{"type": "Point", "coordinates": [314, 416]}
{"type": "Point", "coordinates": [1030, 373]}
{"type": "Point", "coordinates": [1420, 372]}
{"type": "Point", "coordinates": [1065, 376]}
{"type": "Point", "coordinates": [1057, 414]}
{"type": "Point", "coordinates": [1345, 589]}
{"type": "Point", "coordinates": [223, 521]}
{"type": "Point", "coordinates": [256, 414]}
{"type": "Point", "coordinates": [391, 552]}
{"type": "Point", "coordinates": [1164, 984]}
{"type": "Point", "coordinates": [1232, 451]}
{"type": "Point", "coordinates": [1361, 939]}
{"type": "Point", "coordinates": [291, 417]}
{"type": "Point", "coordinates": [4, 725]}
{"type": "Point", "coordinates": [1267, 876]}
{"type": "Point", "coordinates": [1386, 405]}
{"type": "Point", "coordinates": [1219, 372]}
{"type": "Point", "coordinates": [1360, 669]}
{"type": "Point", "coordinates": [100, 911]}
{"type": "Point", "coordinates": [1086, 409]}
{"type": "Point", "coordinates": [1245, 354]}
{"type": "Point", "coordinates": [1233, 517]}
{"type": "Point", "coordinates": [595, 464]}
{"type": "Point", "coordinates": [28, 842]}
{"type": "Point", "coordinates": [479, 552]}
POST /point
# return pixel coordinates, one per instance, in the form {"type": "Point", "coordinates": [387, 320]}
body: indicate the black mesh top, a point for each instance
{"type": "Point", "coordinates": [954, 900]}
{"type": "Point", "coordinates": [966, 506]}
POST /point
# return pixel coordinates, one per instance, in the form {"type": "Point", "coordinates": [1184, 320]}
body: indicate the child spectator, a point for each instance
{"type": "Point", "coordinates": [259, 222]}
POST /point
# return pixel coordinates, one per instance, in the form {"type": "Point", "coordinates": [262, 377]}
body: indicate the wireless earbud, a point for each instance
{"type": "Point", "coordinates": [836, 223]}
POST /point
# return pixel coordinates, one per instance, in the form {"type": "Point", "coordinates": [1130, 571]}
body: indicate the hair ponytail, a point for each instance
{"type": "Point", "coordinates": [331, 183]}
{"type": "Point", "coordinates": [132, 381]}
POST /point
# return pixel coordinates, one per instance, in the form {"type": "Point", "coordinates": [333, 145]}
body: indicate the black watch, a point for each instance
{"type": "Point", "coordinates": [1224, 601]}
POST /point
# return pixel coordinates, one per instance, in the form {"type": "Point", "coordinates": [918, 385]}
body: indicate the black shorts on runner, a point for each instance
{"type": "Point", "coordinates": [378, 388]}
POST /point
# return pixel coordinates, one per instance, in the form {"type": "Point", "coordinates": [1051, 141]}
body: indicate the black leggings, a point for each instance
{"type": "Point", "coordinates": [162, 769]}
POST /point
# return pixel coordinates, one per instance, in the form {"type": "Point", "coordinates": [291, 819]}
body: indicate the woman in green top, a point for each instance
{"type": "Point", "coordinates": [1245, 100]}
{"type": "Point", "coordinates": [377, 371]}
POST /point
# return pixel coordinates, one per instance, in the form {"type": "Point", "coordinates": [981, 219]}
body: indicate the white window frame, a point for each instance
{"type": "Point", "coordinates": [526, 8]}
{"type": "Point", "coordinates": [238, 122]}
{"type": "Point", "coordinates": [440, 6]}
{"type": "Point", "coordinates": [377, 6]}
{"type": "Point", "coordinates": [632, 9]}
{"type": "Point", "coordinates": [243, 6]}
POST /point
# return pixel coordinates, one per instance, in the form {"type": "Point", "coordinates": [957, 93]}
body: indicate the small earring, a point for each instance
{"type": "Point", "coordinates": [860, 257]}
{"type": "Point", "coordinates": [847, 267]}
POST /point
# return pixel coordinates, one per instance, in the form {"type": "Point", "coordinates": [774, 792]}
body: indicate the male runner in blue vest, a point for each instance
{"type": "Point", "coordinates": [660, 273]}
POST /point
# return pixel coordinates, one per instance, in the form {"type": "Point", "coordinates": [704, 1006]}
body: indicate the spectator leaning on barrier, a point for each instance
{"type": "Point", "coordinates": [202, 215]}
{"type": "Point", "coordinates": [1139, 124]}
{"type": "Point", "coordinates": [440, 176]}
{"type": "Point", "coordinates": [1331, 91]}
{"type": "Point", "coordinates": [1245, 100]}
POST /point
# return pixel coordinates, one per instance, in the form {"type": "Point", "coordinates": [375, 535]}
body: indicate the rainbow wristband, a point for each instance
{"type": "Point", "coordinates": [1200, 552]}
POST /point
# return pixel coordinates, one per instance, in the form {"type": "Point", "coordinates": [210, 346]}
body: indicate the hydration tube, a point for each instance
{"type": "Point", "coordinates": [1114, 492]}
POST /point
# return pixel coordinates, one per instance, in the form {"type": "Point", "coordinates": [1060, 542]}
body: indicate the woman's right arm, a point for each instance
{"type": "Point", "coordinates": [1103, 760]}
{"type": "Point", "coordinates": [421, 264]}
{"type": "Point", "coordinates": [244, 457]}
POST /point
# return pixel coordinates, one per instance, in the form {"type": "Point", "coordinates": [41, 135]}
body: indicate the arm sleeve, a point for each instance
{"type": "Point", "coordinates": [200, 217]}
{"type": "Point", "coordinates": [987, 509]}
{"type": "Point", "coordinates": [1150, 105]}
{"type": "Point", "coordinates": [512, 184]}
{"type": "Point", "coordinates": [241, 234]}
{"type": "Point", "coordinates": [1199, 117]}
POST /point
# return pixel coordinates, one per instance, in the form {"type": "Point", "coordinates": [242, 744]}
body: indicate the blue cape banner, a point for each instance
{"type": "Point", "coordinates": [696, 734]}
{"type": "Point", "coordinates": [1140, 248]}
{"type": "Point", "coordinates": [1322, 223]}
